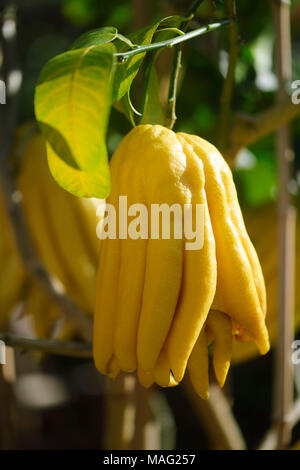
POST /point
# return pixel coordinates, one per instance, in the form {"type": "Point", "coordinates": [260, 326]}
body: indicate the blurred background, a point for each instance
{"type": "Point", "coordinates": [54, 402]}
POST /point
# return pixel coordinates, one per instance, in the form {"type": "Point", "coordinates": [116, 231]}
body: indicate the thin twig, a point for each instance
{"type": "Point", "coordinates": [171, 106]}
{"type": "Point", "coordinates": [283, 380]}
{"type": "Point", "coordinates": [60, 348]}
{"type": "Point", "coordinates": [226, 95]}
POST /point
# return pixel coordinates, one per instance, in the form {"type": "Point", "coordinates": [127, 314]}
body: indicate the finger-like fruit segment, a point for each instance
{"type": "Point", "coordinates": [160, 294]}
{"type": "Point", "coordinates": [199, 279]}
{"type": "Point", "coordinates": [238, 220]}
{"type": "Point", "coordinates": [106, 301]}
{"type": "Point", "coordinates": [164, 257]}
{"type": "Point", "coordinates": [113, 368]}
{"type": "Point", "coordinates": [220, 325]}
{"type": "Point", "coordinates": [234, 268]}
{"type": "Point", "coordinates": [161, 371]}
{"type": "Point", "coordinates": [146, 379]}
{"type": "Point", "coordinates": [131, 275]}
{"type": "Point", "coordinates": [198, 366]}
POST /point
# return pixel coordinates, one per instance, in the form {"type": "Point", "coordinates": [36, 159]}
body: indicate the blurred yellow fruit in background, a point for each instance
{"type": "Point", "coordinates": [261, 224]}
{"type": "Point", "coordinates": [63, 229]}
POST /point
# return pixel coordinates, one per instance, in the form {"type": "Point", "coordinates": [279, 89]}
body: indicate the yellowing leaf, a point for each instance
{"type": "Point", "coordinates": [72, 105]}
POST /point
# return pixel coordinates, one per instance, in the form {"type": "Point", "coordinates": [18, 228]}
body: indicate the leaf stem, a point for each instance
{"type": "Point", "coordinates": [171, 106]}
{"type": "Point", "coordinates": [174, 41]}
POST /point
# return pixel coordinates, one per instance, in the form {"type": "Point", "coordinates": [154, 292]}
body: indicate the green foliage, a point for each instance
{"type": "Point", "coordinates": [96, 37]}
{"type": "Point", "coordinates": [127, 70]}
{"type": "Point", "coordinates": [153, 112]}
{"type": "Point", "coordinates": [256, 175]}
{"type": "Point", "coordinates": [78, 11]}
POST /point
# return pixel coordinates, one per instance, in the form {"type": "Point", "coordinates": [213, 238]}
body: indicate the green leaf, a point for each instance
{"type": "Point", "coordinates": [153, 109]}
{"type": "Point", "coordinates": [72, 105]}
{"type": "Point", "coordinates": [126, 71]}
{"type": "Point", "coordinates": [170, 33]}
{"type": "Point", "coordinates": [96, 37]}
{"type": "Point", "coordinates": [153, 112]}
{"type": "Point", "coordinates": [174, 21]}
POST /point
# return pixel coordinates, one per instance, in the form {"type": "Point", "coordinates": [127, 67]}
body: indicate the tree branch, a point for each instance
{"type": "Point", "coordinates": [49, 346]}
{"type": "Point", "coordinates": [248, 129]}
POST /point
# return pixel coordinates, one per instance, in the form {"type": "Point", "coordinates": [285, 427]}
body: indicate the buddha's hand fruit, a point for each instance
{"type": "Point", "coordinates": [153, 295]}
{"type": "Point", "coordinates": [145, 286]}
